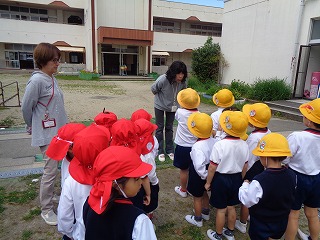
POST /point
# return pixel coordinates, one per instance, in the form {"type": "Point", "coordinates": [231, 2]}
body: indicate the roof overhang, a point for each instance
{"type": "Point", "coordinates": [160, 53]}
{"type": "Point", "coordinates": [70, 49]}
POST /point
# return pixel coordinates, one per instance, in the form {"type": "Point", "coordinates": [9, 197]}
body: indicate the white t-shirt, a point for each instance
{"type": "Point", "coordinates": [215, 118]}
{"type": "Point", "coordinates": [305, 149]}
{"type": "Point", "coordinates": [183, 136]}
{"type": "Point", "coordinates": [200, 155]}
{"type": "Point", "coordinates": [230, 154]}
{"type": "Point", "coordinates": [73, 196]}
{"type": "Point", "coordinates": [150, 158]}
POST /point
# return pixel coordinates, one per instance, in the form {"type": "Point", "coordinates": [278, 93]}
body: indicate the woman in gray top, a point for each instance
{"type": "Point", "coordinates": [165, 90]}
{"type": "Point", "coordinates": [43, 111]}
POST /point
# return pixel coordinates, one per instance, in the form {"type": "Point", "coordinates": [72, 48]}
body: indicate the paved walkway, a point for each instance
{"type": "Point", "coordinates": [18, 158]}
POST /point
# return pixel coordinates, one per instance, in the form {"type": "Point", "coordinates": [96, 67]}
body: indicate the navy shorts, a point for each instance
{"type": "Point", "coordinates": [256, 169]}
{"type": "Point", "coordinates": [195, 183]}
{"type": "Point", "coordinates": [182, 158]}
{"type": "Point", "coordinates": [307, 191]}
{"type": "Point", "coordinates": [224, 190]}
{"type": "Point", "coordinates": [261, 230]}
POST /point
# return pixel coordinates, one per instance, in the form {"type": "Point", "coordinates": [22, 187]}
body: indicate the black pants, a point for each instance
{"type": "Point", "coordinates": [165, 124]}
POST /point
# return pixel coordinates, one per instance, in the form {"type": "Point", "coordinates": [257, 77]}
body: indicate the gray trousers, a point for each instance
{"type": "Point", "coordinates": [50, 171]}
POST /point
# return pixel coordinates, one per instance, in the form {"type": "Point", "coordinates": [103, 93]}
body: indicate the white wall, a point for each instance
{"type": "Point", "coordinates": [132, 14]}
{"type": "Point", "coordinates": [178, 42]}
{"type": "Point", "coordinates": [70, 3]}
{"type": "Point", "coordinates": [258, 39]}
{"type": "Point", "coordinates": [12, 31]}
{"type": "Point", "coordinates": [167, 9]}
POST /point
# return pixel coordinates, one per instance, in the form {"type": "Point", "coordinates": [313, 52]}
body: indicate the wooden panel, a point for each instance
{"type": "Point", "coordinates": [125, 36]}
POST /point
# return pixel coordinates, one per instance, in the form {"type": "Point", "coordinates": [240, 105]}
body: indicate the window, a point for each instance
{"type": "Point", "coordinates": [205, 30]}
{"type": "Point", "coordinates": [4, 7]}
{"type": "Point", "coordinates": [161, 25]}
{"type": "Point", "coordinates": [315, 30]}
{"type": "Point", "coordinates": [158, 61]}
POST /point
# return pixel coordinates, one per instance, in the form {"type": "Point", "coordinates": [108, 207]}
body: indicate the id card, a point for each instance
{"type": "Point", "coordinates": [49, 123]}
{"type": "Point", "coordinates": [174, 108]}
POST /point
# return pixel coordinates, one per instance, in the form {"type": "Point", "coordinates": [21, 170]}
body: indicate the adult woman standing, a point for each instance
{"type": "Point", "coordinates": [165, 90]}
{"type": "Point", "coordinates": [43, 111]}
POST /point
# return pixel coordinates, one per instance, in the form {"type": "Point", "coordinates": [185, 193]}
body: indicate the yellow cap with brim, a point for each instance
{"type": "Point", "coordinates": [311, 110]}
{"type": "Point", "coordinates": [200, 125]}
{"type": "Point", "coordinates": [259, 114]}
{"type": "Point", "coordinates": [223, 98]}
{"type": "Point", "coordinates": [272, 145]}
{"type": "Point", "coordinates": [234, 123]}
{"type": "Point", "coordinates": [188, 98]}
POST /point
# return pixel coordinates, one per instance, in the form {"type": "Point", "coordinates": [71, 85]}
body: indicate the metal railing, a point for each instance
{"type": "Point", "coordinates": [3, 100]}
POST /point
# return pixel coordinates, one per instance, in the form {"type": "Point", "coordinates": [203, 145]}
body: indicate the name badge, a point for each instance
{"type": "Point", "coordinates": [49, 123]}
{"type": "Point", "coordinates": [174, 108]}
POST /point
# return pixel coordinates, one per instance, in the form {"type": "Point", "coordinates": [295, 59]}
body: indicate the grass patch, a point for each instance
{"type": "Point", "coordinates": [26, 234]}
{"type": "Point", "coordinates": [194, 232]}
{"type": "Point", "coordinates": [2, 198]}
{"type": "Point", "coordinates": [7, 122]}
{"type": "Point", "coordinates": [84, 88]}
{"type": "Point", "coordinates": [32, 213]}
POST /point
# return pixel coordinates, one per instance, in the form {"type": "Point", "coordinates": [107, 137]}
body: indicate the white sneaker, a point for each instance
{"type": "Point", "coordinates": [50, 218]}
{"type": "Point", "coordinates": [241, 226]}
{"type": "Point", "coordinates": [171, 156]}
{"type": "Point", "coordinates": [162, 157]}
{"type": "Point", "coordinates": [204, 216]}
{"type": "Point", "coordinates": [302, 235]}
{"type": "Point", "coordinates": [213, 235]}
{"type": "Point", "coordinates": [226, 235]}
{"type": "Point", "coordinates": [190, 219]}
{"type": "Point", "coordinates": [178, 190]}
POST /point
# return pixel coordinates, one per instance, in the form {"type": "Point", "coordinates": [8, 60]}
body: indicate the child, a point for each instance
{"type": "Point", "coordinates": [60, 147]}
{"type": "Point", "coordinates": [140, 113]}
{"type": "Point", "coordinates": [124, 133]}
{"type": "Point", "coordinates": [149, 150]}
{"type": "Point", "coordinates": [223, 99]}
{"type": "Point", "coordinates": [270, 194]}
{"type": "Point", "coordinates": [108, 213]}
{"type": "Point", "coordinates": [259, 115]}
{"type": "Point", "coordinates": [106, 119]}
{"type": "Point", "coordinates": [87, 145]}
{"type": "Point", "coordinates": [305, 163]}
{"type": "Point", "coordinates": [200, 125]}
{"type": "Point", "coordinates": [227, 164]}
{"type": "Point", "coordinates": [188, 100]}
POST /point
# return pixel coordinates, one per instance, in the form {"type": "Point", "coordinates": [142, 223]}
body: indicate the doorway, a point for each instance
{"type": "Point", "coordinates": [117, 58]}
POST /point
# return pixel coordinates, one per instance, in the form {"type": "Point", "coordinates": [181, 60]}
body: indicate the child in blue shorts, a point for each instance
{"type": "Point", "coordinates": [259, 115]}
{"type": "Point", "coordinates": [305, 148]}
{"type": "Point", "coordinates": [271, 193]}
{"type": "Point", "coordinates": [228, 162]}
{"type": "Point", "coordinates": [200, 125]}
{"type": "Point", "coordinates": [188, 100]}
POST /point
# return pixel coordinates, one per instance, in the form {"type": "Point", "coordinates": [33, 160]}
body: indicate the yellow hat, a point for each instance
{"type": "Point", "coordinates": [272, 145]}
{"type": "Point", "coordinates": [311, 110]}
{"type": "Point", "coordinates": [258, 114]}
{"type": "Point", "coordinates": [200, 125]}
{"type": "Point", "coordinates": [188, 98]}
{"type": "Point", "coordinates": [223, 98]}
{"type": "Point", "coordinates": [234, 123]}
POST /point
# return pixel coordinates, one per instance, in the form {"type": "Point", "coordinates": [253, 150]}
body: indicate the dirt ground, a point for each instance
{"type": "Point", "coordinates": [84, 100]}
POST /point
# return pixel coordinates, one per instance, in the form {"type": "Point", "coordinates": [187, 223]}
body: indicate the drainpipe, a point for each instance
{"type": "Point", "coordinates": [296, 43]}
{"type": "Point", "coordinates": [93, 35]}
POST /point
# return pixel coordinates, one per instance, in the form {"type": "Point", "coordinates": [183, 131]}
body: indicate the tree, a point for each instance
{"type": "Point", "coordinates": [206, 60]}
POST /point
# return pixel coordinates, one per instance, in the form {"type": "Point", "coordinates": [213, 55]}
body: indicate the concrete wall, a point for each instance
{"type": "Point", "coordinates": [167, 9]}
{"type": "Point", "coordinates": [132, 14]}
{"type": "Point", "coordinates": [70, 3]}
{"type": "Point", "coordinates": [258, 38]}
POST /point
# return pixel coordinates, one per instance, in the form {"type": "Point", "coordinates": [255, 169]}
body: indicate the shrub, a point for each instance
{"type": "Point", "coordinates": [271, 89]}
{"type": "Point", "coordinates": [240, 89]}
{"type": "Point", "coordinates": [213, 89]}
{"type": "Point", "coordinates": [206, 60]}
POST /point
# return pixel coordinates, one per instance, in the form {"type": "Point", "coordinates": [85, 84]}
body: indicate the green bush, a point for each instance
{"type": "Point", "coordinates": [271, 89]}
{"type": "Point", "coordinates": [214, 88]}
{"type": "Point", "coordinates": [240, 89]}
{"type": "Point", "coordinates": [206, 61]}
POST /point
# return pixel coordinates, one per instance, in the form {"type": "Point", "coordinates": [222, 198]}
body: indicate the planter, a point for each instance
{"type": "Point", "coordinates": [85, 76]}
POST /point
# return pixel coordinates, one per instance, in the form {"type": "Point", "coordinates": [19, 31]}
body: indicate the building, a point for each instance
{"type": "Point", "coordinates": [271, 38]}
{"type": "Point", "coordinates": [123, 37]}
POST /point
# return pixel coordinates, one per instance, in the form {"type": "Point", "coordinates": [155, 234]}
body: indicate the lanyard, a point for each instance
{"type": "Point", "coordinates": [46, 106]}
{"type": "Point", "coordinates": [175, 92]}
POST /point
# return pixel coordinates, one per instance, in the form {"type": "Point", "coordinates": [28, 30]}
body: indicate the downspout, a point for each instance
{"type": "Point", "coordinates": [149, 29]}
{"type": "Point", "coordinates": [93, 35]}
{"type": "Point", "coordinates": [296, 43]}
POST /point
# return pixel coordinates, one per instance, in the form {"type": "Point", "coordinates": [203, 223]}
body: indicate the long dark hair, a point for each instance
{"type": "Point", "coordinates": [176, 68]}
{"type": "Point", "coordinates": [115, 193]}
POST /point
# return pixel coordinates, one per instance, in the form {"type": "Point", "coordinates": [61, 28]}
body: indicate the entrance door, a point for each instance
{"type": "Point", "coordinates": [301, 72]}
{"type": "Point", "coordinates": [111, 63]}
